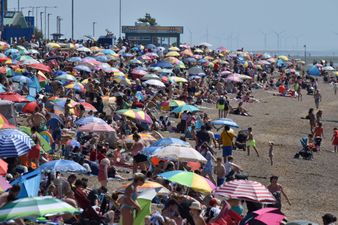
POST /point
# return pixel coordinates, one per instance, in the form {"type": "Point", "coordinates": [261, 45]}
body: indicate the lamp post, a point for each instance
{"type": "Point", "coordinates": [94, 29]}
{"type": "Point", "coordinates": [73, 19]}
{"type": "Point", "coordinates": [47, 7]}
{"type": "Point", "coordinates": [305, 54]}
{"type": "Point", "coordinates": [29, 12]}
{"type": "Point", "coordinates": [49, 14]}
{"type": "Point", "coordinates": [41, 13]}
{"type": "Point", "coordinates": [120, 20]}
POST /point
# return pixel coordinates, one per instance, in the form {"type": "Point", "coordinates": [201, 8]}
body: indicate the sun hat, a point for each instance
{"type": "Point", "coordinates": [195, 205]}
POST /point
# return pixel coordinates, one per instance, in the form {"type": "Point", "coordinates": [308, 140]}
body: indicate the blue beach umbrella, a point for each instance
{"type": "Point", "coordinates": [224, 122]}
{"type": "Point", "coordinates": [14, 143]}
{"type": "Point", "coordinates": [163, 142]}
{"type": "Point", "coordinates": [74, 59]}
{"type": "Point", "coordinates": [29, 184]}
{"type": "Point", "coordinates": [62, 165]}
{"type": "Point", "coordinates": [188, 108]}
{"type": "Point", "coordinates": [163, 64]}
{"type": "Point", "coordinates": [83, 68]}
{"type": "Point", "coordinates": [89, 119]}
{"type": "Point", "coordinates": [108, 52]}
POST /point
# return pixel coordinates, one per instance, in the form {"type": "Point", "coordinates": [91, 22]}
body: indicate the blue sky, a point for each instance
{"type": "Point", "coordinates": [233, 24]}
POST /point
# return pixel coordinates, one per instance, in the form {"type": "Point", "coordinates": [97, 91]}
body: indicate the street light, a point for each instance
{"type": "Point", "coordinates": [29, 13]}
{"type": "Point", "coordinates": [47, 7]}
{"type": "Point", "coordinates": [72, 19]}
{"type": "Point", "coordinates": [41, 13]}
{"type": "Point", "coordinates": [305, 54]}
{"type": "Point", "coordinates": [49, 14]}
{"type": "Point", "coordinates": [120, 20]}
{"type": "Point", "coordinates": [94, 29]}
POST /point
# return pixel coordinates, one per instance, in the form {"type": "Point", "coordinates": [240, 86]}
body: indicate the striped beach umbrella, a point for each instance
{"type": "Point", "coordinates": [245, 190]}
{"type": "Point", "coordinates": [76, 86]}
{"type": "Point", "coordinates": [35, 207]}
{"type": "Point", "coordinates": [14, 143]}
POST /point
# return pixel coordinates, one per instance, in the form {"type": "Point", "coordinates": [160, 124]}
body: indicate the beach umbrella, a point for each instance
{"type": "Point", "coordinates": [21, 79]}
{"type": "Point", "coordinates": [122, 80]}
{"type": "Point", "coordinates": [265, 216]}
{"type": "Point", "coordinates": [163, 142]}
{"type": "Point", "coordinates": [188, 108]}
{"type": "Point", "coordinates": [313, 71]}
{"type": "Point", "coordinates": [30, 107]}
{"type": "Point", "coordinates": [84, 49]}
{"type": "Point", "coordinates": [179, 153]}
{"type": "Point", "coordinates": [40, 66]}
{"type": "Point", "coordinates": [172, 54]}
{"type": "Point", "coordinates": [189, 60]}
{"type": "Point", "coordinates": [283, 57]}
{"type": "Point", "coordinates": [245, 190]}
{"type": "Point", "coordinates": [43, 142]}
{"type": "Point", "coordinates": [83, 68]}
{"type": "Point", "coordinates": [224, 122]}
{"type": "Point", "coordinates": [244, 77]}
{"type": "Point", "coordinates": [53, 45]}
{"type": "Point", "coordinates": [66, 77]}
{"type": "Point", "coordinates": [163, 64]}
{"type": "Point", "coordinates": [136, 114]}
{"type": "Point", "coordinates": [328, 68]}
{"type": "Point", "coordinates": [146, 137]}
{"type": "Point", "coordinates": [74, 59]}
{"type": "Point", "coordinates": [73, 143]}
{"type": "Point", "coordinates": [176, 79]}
{"type": "Point", "coordinates": [174, 49]}
{"type": "Point", "coordinates": [196, 70]}
{"type": "Point", "coordinates": [4, 185]}
{"type": "Point", "coordinates": [4, 124]}
{"type": "Point", "coordinates": [151, 46]}
{"type": "Point", "coordinates": [29, 184]}
{"type": "Point", "coordinates": [3, 167]}
{"type": "Point", "coordinates": [171, 103]}
{"type": "Point", "coordinates": [301, 222]}
{"type": "Point", "coordinates": [148, 185]}
{"type": "Point", "coordinates": [95, 49]}
{"type": "Point", "coordinates": [234, 78]}
{"type": "Point", "coordinates": [88, 107]}
{"type": "Point", "coordinates": [29, 62]}
{"type": "Point", "coordinates": [62, 165]}
{"type": "Point", "coordinates": [102, 58]}
{"type": "Point", "coordinates": [108, 52]}
{"type": "Point", "coordinates": [76, 86]}
{"type": "Point", "coordinates": [189, 179]}
{"type": "Point", "coordinates": [4, 45]}
{"type": "Point", "coordinates": [205, 44]}
{"type": "Point", "coordinates": [13, 97]}
{"type": "Point", "coordinates": [96, 127]}
{"type": "Point", "coordinates": [35, 207]}
{"type": "Point", "coordinates": [155, 83]}
{"type": "Point", "coordinates": [150, 76]}
{"type": "Point", "coordinates": [11, 51]}
{"type": "Point", "coordinates": [14, 143]}
{"type": "Point", "coordinates": [33, 51]}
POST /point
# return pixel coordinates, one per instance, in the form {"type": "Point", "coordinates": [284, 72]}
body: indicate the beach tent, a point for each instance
{"type": "Point", "coordinates": [313, 71]}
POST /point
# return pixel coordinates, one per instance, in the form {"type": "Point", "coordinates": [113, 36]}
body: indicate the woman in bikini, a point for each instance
{"type": "Point", "coordinates": [128, 202]}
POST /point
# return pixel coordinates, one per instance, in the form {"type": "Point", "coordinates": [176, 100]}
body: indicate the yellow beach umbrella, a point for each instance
{"type": "Point", "coordinates": [172, 54]}
{"type": "Point", "coordinates": [174, 49]}
{"type": "Point", "coordinates": [283, 57]}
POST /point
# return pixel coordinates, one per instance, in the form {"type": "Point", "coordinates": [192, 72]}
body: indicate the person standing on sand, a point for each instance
{"type": "Point", "coordinates": [318, 98]}
{"type": "Point", "coordinates": [311, 117]}
{"type": "Point", "coordinates": [318, 134]}
{"type": "Point", "coordinates": [271, 144]}
{"type": "Point", "coordinates": [220, 172]}
{"type": "Point", "coordinates": [277, 190]}
{"type": "Point", "coordinates": [227, 137]}
{"type": "Point", "coordinates": [251, 142]}
{"type": "Point", "coordinates": [335, 139]}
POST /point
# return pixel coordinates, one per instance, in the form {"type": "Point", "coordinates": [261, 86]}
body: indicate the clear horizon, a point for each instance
{"type": "Point", "coordinates": [221, 23]}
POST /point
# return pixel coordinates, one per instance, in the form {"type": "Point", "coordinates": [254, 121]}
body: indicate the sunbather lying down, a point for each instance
{"type": "Point", "coordinates": [240, 110]}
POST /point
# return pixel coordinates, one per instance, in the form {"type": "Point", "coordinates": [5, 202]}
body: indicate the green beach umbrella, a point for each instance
{"type": "Point", "coordinates": [35, 207]}
{"type": "Point", "coordinates": [43, 142]}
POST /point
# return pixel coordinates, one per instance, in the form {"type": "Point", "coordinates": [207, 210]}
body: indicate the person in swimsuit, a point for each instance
{"type": "Point", "coordinates": [251, 142]}
{"type": "Point", "coordinates": [129, 203]}
{"type": "Point", "coordinates": [277, 190]}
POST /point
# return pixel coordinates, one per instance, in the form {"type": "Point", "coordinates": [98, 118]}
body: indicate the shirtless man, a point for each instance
{"type": "Point", "coordinates": [195, 210]}
{"type": "Point", "coordinates": [37, 119]}
{"type": "Point", "coordinates": [219, 170]}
